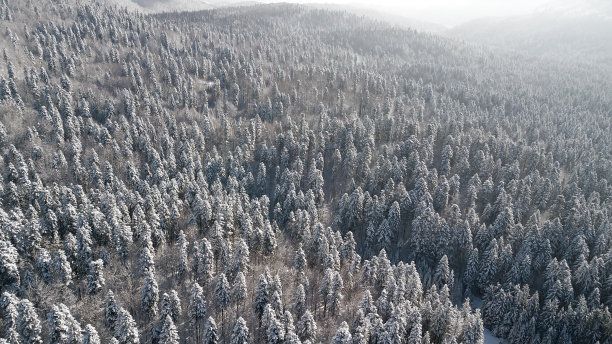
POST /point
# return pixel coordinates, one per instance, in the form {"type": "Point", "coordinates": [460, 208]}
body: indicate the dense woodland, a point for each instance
{"type": "Point", "coordinates": [277, 174]}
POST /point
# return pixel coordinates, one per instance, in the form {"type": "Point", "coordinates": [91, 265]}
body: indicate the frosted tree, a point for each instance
{"type": "Point", "coordinates": [240, 333]}
{"type": "Point", "coordinates": [10, 315]}
{"type": "Point", "coordinates": [95, 277]}
{"type": "Point", "coordinates": [147, 262]}
{"type": "Point", "coordinates": [239, 290]}
{"type": "Point", "coordinates": [181, 247]}
{"type": "Point", "coordinates": [343, 335]}
{"type": "Point", "coordinates": [170, 305]}
{"type": "Point", "coordinates": [211, 335]}
{"type": "Point", "coordinates": [197, 308]}
{"type": "Point", "coordinates": [262, 297]}
{"type": "Point", "coordinates": [61, 267]}
{"type": "Point", "coordinates": [222, 298]}
{"type": "Point", "coordinates": [443, 274]}
{"type": "Point", "coordinates": [307, 327]}
{"type": "Point", "coordinates": [300, 262]}
{"type": "Point", "coordinates": [335, 296]}
{"type": "Point", "coordinates": [91, 335]}
{"type": "Point", "coordinates": [28, 324]}
{"type": "Point", "coordinates": [169, 333]}
{"type": "Point", "coordinates": [175, 305]}
{"type": "Point", "coordinates": [299, 307]}
{"type": "Point", "coordinates": [44, 266]}
{"type": "Point", "coordinates": [269, 240]}
{"type": "Point", "coordinates": [63, 327]}
{"type": "Point", "coordinates": [9, 273]}
{"type": "Point", "coordinates": [149, 295]}
{"type": "Point", "coordinates": [325, 288]}
{"type": "Point", "coordinates": [241, 258]}
{"type": "Point", "coordinates": [126, 330]}
{"type": "Point", "coordinates": [111, 311]}
{"type": "Point", "coordinates": [275, 330]}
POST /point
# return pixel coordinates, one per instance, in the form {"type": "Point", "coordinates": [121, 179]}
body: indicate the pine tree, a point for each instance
{"type": "Point", "coordinates": [95, 278]}
{"type": "Point", "coordinates": [91, 335]}
{"type": "Point", "coordinates": [343, 335]}
{"type": "Point", "coordinates": [63, 327]}
{"type": "Point", "coordinates": [211, 335]}
{"type": "Point", "coordinates": [61, 268]}
{"type": "Point", "coordinates": [44, 266]}
{"type": "Point", "coordinates": [149, 295]}
{"type": "Point", "coordinates": [269, 240]}
{"type": "Point", "coordinates": [326, 288]}
{"type": "Point", "coordinates": [275, 331]}
{"type": "Point", "coordinates": [181, 245]}
{"type": "Point", "coordinates": [111, 312]}
{"type": "Point", "coordinates": [443, 274]}
{"type": "Point", "coordinates": [239, 290]}
{"type": "Point", "coordinates": [240, 334]}
{"type": "Point", "coordinates": [9, 273]}
{"type": "Point", "coordinates": [335, 296]}
{"type": "Point", "coordinates": [197, 308]}
{"type": "Point", "coordinates": [299, 306]}
{"type": "Point", "coordinates": [169, 333]}
{"type": "Point", "coordinates": [241, 257]}
{"type": "Point", "coordinates": [307, 327]}
{"type": "Point", "coordinates": [28, 324]}
{"type": "Point", "coordinates": [175, 305]}
{"type": "Point", "coordinates": [262, 297]}
{"type": "Point", "coordinates": [126, 330]}
{"type": "Point", "coordinates": [222, 298]}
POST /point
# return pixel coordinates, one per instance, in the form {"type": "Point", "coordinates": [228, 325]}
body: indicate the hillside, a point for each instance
{"type": "Point", "coordinates": [283, 174]}
{"type": "Point", "coordinates": [573, 37]}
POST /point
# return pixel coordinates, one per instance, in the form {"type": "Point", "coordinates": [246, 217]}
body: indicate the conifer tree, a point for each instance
{"type": "Point", "coordinates": [28, 324]}
{"type": "Point", "coordinates": [197, 308]}
{"type": "Point", "coordinates": [149, 295]}
{"type": "Point", "coordinates": [239, 290]}
{"type": "Point", "coordinates": [211, 336]}
{"type": "Point", "coordinates": [169, 333]}
{"type": "Point", "coordinates": [240, 334]}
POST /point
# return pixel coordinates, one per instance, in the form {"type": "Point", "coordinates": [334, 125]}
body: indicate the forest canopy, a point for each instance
{"type": "Point", "coordinates": [282, 174]}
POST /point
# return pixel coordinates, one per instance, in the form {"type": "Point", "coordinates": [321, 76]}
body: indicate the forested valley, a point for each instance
{"type": "Point", "coordinates": [281, 174]}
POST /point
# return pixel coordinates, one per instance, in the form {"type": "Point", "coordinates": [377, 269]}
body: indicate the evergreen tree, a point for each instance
{"type": "Point", "coordinates": [307, 327]}
{"type": "Point", "coordinates": [222, 298]}
{"type": "Point", "coordinates": [169, 333]}
{"type": "Point", "coordinates": [9, 273]}
{"type": "Point", "coordinates": [126, 330]}
{"type": "Point", "coordinates": [343, 335]}
{"type": "Point", "coordinates": [240, 334]}
{"type": "Point", "coordinates": [28, 324]}
{"type": "Point", "coordinates": [95, 278]}
{"type": "Point", "coordinates": [91, 335]}
{"type": "Point", "coordinates": [197, 308]}
{"type": "Point", "coordinates": [211, 335]}
{"type": "Point", "coordinates": [111, 312]}
{"type": "Point", "coordinates": [299, 306]}
{"type": "Point", "coordinates": [149, 295]}
{"type": "Point", "coordinates": [239, 290]}
{"type": "Point", "coordinates": [262, 297]}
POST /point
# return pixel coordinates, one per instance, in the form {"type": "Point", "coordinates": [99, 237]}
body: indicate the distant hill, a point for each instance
{"type": "Point", "coordinates": [568, 36]}
{"type": "Point", "coordinates": [394, 19]}
{"type": "Point", "coordinates": [157, 6]}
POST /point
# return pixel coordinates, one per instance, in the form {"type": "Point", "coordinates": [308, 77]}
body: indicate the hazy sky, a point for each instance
{"type": "Point", "coordinates": [453, 12]}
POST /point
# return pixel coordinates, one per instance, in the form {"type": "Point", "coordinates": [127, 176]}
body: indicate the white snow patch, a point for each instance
{"type": "Point", "coordinates": [489, 337]}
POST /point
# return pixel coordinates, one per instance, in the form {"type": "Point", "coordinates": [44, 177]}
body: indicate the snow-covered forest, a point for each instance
{"type": "Point", "coordinates": [281, 174]}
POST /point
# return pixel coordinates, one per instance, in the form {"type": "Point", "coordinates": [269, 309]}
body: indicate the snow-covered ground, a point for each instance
{"type": "Point", "coordinates": [489, 337]}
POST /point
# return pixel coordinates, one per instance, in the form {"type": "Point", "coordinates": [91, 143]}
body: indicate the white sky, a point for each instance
{"type": "Point", "coordinates": [454, 12]}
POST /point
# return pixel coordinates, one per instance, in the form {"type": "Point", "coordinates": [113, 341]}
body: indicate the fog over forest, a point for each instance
{"type": "Point", "coordinates": [177, 172]}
